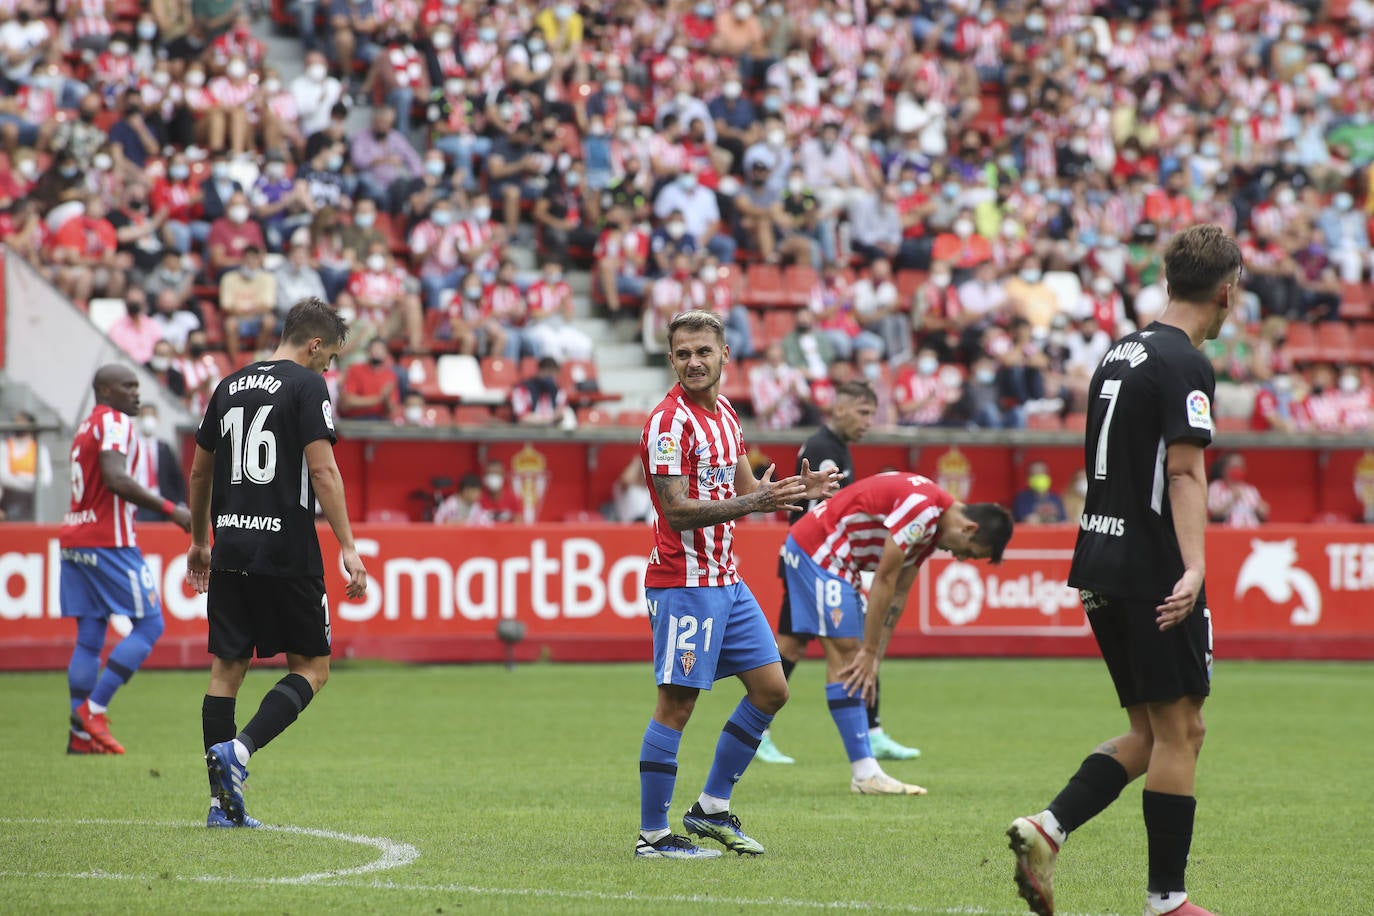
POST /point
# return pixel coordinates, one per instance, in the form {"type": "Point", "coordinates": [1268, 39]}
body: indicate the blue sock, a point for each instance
{"type": "Point", "coordinates": [851, 719]}
{"type": "Point", "coordinates": [657, 775]}
{"type": "Point", "coordinates": [126, 657]}
{"type": "Point", "coordinates": [738, 742]}
{"type": "Point", "coordinates": [84, 668]}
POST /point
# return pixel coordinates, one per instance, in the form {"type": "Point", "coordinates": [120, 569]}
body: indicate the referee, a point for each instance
{"type": "Point", "coordinates": [850, 419]}
{"type": "Point", "coordinates": [1139, 565]}
{"type": "Point", "coordinates": [264, 454]}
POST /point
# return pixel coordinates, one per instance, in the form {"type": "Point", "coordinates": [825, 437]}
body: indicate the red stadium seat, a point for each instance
{"type": "Point", "coordinates": [778, 323]}
{"type": "Point", "coordinates": [797, 282]}
{"type": "Point", "coordinates": [1364, 344]}
{"type": "Point", "coordinates": [1357, 301]}
{"type": "Point", "coordinates": [763, 286]}
{"type": "Point", "coordinates": [908, 281]}
{"type": "Point", "coordinates": [438, 415]}
{"type": "Point", "coordinates": [594, 416]}
{"type": "Point", "coordinates": [1300, 342]}
{"type": "Point", "coordinates": [423, 376]}
{"type": "Point", "coordinates": [734, 275]}
{"type": "Point", "coordinates": [632, 418]}
{"type": "Point", "coordinates": [1076, 422]}
{"type": "Point", "coordinates": [500, 372]}
{"type": "Point", "coordinates": [434, 337]}
{"type": "Point", "coordinates": [1334, 342]}
{"type": "Point", "coordinates": [734, 382]}
{"type": "Point", "coordinates": [758, 333]}
{"type": "Point", "coordinates": [472, 415]}
{"type": "Point", "coordinates": [1044, 421]}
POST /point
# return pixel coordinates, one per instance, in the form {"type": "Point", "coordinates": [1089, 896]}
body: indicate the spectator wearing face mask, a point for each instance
{"type": "Point", "coordinates": [669, 240]}
{"type": "Point", "coordinates": [175, 322]}
{"type": "Point", "coordinates": [435, 244]}
{"type": "Point", "coordinates": [540, 400]}
{"type": "Point", "coordinates": [136, 333]}
{"type": "Point", "coordinates": [549, 327]}
{"type": "Point", "coordinates": [371, 388]}
{"type": "Point", "coordinates": [1356, 400]}
{"type": "Point", "coordinates": [1231, 500]}
{"type": "Point", "coordinates": [961, 247]}
{"type": "Point", "coordinates": [456, 116]}
{"type": "Point", "coordinates": [938, 315]}
{"type": "Point", "coordinates": [79, 136]}
{"type": "Point", "coordinates": [297, 278]}
{"type": "Point", "coordinates": [138, 231]}
{"type": "Point", "coordinates": [1030, 296]}
{"type": "Point", "coordinates": [465, 506]}
{"type": "Point", "coordinates": [83, 252]}
{"type": "Point", "coordinates": [732, 112]}
{"type": "Point", "coordinates": [622, 258]}
{"type": "Point", "coordinates": [979, 403]}
{"type": "Point", "coordinates": [217, 189]}
{"type": "Point", "coordinates": [808, 349]}
{"type": "Point", "coordinates": [323, 176]}
{"type": "Point", "coordinates": [433, 183]}
{"type": "Point", "coordinates": [378, 294]}
{"type": "Point", "coordinates": [917, 393]}
{"type": "Point", "coordinates": [400, 76]}
{"type": "Point", "coordinates": [232, 118]}
{"type": "Point", "coordinates": [232, 235]}
{"type": "Point", "coordinates": [166, 368]}
{"type": "Point", "coordinates": [498, 498]}
{"type": "Point", "coordinates": [700, 213]}
{"type": "Point", "coordinates": [162, 469]}
{"type": "Point", "coordinates": [361, 235]}
{"type": "Point", "coordinates": [200, 372]}
{"type": "Point", "coordinates": [315, 93]}
{"type": "Point", "coordinates": [1037, 504]}
{"type": "Point", "coordinates": [174, 195]}
{"type": "Point", "coordinates": [382, 157]}
{"type": "Point", "coordinates": [281, 204]}
{"type": "Point", "coordinates": [414, 413]}
{"type": "Point", "coordinates": [248, 301]}
{"type": "Point", "coordinates": [567, 213]}
{"type": "Point", "coordinates": [1346, 232]}
{"type": "Point", "coordinates": [780, 393]}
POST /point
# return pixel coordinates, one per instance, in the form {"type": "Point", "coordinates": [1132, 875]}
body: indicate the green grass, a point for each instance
{"type": "Point", "coordinates": [520, 793]}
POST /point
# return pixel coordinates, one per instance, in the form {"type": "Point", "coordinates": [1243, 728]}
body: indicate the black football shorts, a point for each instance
{"type": "Point", "coordinates": [1148, 666]}
{"type": "Point", "coordinates": [268, 615]}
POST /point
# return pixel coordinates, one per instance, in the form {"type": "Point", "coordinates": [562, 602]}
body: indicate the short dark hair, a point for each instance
{"type": "Point", "coordinates": [994, 527]}
{"type": "Point", "coordinates": [858, 390]}
{"type": "Point", "coordinates": [313, 317]}
{"type": "Point", "coordinates": [1198, 260]}
{"type": "Point", "coordinates": [696, 320]}
{"type": "Point", "coordinates": [548, 364]}
{"type": "Point", "coordinates": [469, 481]}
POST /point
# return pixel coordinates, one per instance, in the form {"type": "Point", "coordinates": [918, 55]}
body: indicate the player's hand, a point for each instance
{"type": "Point", "coordinates": [820, 484]}
{"type": "Point", "coordinates": [781, 494]}
{"type": "Point", "coordinates": [1179, 604]}
{"type": "Point", "coordinates": [181, 517]}
{"type": "Point", "coordinates": [357, 575]}
{"type": "Point", "coordinates": [861, 676]}
{"type": "Point", "coordinates": [198, 568]}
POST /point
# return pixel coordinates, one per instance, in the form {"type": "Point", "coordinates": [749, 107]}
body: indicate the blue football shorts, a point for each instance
{"type": "Point", "coordinates": [822, 603]}
{"type": "Point", "coordinates": [100, 581]}
{"type": "Point", "coordinates": [704, 634]}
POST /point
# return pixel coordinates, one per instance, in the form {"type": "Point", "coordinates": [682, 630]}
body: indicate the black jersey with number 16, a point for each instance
{"type": "Point", "coordinates": [258, 423]}
{"type": "Point", "coordinates": [1152, 389]}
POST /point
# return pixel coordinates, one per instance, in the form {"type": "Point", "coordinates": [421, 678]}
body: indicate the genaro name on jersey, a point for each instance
{"type": "Point", "coordinates": [97, 517]}
{"type": "Point", "coordinates": [845, 535]}
{"type": "Point", "coordinates": [682, 439]}
{"type": "Point", "coordinates": [258, 423]}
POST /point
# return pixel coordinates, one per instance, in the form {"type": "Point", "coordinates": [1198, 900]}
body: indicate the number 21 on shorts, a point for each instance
{"type": "Point", "coordinates": [683, 632]}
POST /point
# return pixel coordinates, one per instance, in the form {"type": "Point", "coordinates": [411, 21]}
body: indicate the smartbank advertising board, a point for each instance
{"type": "Point", "coordinates": [436, 594]}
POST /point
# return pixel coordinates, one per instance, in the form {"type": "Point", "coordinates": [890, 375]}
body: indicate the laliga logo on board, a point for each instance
{"type": "Point", "coordinates": [962, 591]}
{"type": "Point", "coordinates": [1271, 567]}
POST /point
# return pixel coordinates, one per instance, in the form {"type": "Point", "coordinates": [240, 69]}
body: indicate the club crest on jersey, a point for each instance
{"type": "Point", "coordinates": [665, 448]}
{"type": "Point", "coordinates": [836, 615]}
{"type": "Point", "coordinates": [1199, 410]}
{"type": "Point", "coordinates": [689, 661]}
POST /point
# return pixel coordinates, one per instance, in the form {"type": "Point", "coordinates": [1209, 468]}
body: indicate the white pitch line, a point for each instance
{"type": "Point", "coordinates": [393, 854]}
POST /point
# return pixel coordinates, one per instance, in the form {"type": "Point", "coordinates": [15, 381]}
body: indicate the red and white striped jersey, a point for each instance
{"type": "Point", "coordinates": [682, 439]}
{"type": "Point", "coordinates": [845, 534]}
{"type": "Point", "coordinates": [505, 303]}
{"type": "Point", "coordinates": [436, 246]}
{"type": "Point", "coordinates": [984, 42]}
{"type": "Point", "coordinates": [97, 517]}
{"type": "Point", "coordinates": [92, 17]}
{"type": "Point", "coordinates": [548, 299]}
{"type": "Point", "coordinates": [473, 236]}
{"type": "Point", "coordinates": [229, 94]}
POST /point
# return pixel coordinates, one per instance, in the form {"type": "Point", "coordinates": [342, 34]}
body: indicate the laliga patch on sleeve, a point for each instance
{"type": "Point", "coordinates": [665, 449]}
{"type": "Point", "coordinates": [328, 410]}
{"type": "Point", "coordinates": [1199, 410]}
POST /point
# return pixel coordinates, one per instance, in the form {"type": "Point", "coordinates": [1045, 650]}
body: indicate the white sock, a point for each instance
{"type": "Point", "coordinates": [712, 805]}
{"type": "Point", "coordinates": [241, 752]}
{"type": "Point", "coordinates": [875, 731]}
{"type": "Point", "coordinates": [96, 708]}
{"type": "Point", "coordinates": [214, 802]}
{"type": "Point", "coordinates": [653, 836]}
{"type": "Point", "coordinates": [1166, 903]}
{"type": "Point", "coordinates": [865, 768]}
{"type": "Point", "coordinates": [1051, 825]}
{"type": "Point", "coordinates": [764, 735]}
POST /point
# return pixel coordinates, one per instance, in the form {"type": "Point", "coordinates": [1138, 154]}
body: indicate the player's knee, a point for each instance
{"type": "Point", "coordinates": [1197, 731]}
{"type": "Point", "coordinates": [771, 698]}
{"type": "Point", "coordinates": [150, 628]}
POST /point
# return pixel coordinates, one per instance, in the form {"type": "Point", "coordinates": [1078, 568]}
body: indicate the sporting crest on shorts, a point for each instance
{"type": "Point", "coordinates": [836, 615]}
{"type": "Point", "coordinates": [689, 661]}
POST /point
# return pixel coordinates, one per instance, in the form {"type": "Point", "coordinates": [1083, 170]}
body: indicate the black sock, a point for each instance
{"type": "Point", "coordinates": [217, 720]}
{"type": "Point", "coordinates": [1169, 826]}
{"type": "Point", "coordinates": [788, 666]}
{"type": "Point", "coordinates": [873, 720]}
{"type": "Point", "coordinates": [1095, 786]}
{"type": "Point", "coordinates": [279, 709]}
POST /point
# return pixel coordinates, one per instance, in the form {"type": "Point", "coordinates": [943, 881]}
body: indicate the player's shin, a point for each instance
{"type": "Point", "coordinates": [850, 720]}
{"type": "Point", "coordinates": [1096, 785]}
{"type": "Point", "coordinates": [283, 703]}
{"type": "Point", "coordinates": [126, 658]}
{"type": "Point", "coordinates": [735, 749]}
{"type": "Point", "coordinates": [657, 777]}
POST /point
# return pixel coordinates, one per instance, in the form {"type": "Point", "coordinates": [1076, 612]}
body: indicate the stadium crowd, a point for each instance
{"type": "Point", "coordinates": [964, 201]}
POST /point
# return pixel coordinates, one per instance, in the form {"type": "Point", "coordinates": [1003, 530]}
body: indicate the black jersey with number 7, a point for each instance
{"type": "Point", "coordinates": [1152, 389]}
{"type": "Point", "coordinates": [258, 423]}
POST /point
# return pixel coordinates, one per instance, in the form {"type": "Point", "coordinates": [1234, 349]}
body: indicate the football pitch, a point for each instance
{"type": "Point", "coordinates": [475, 789]}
